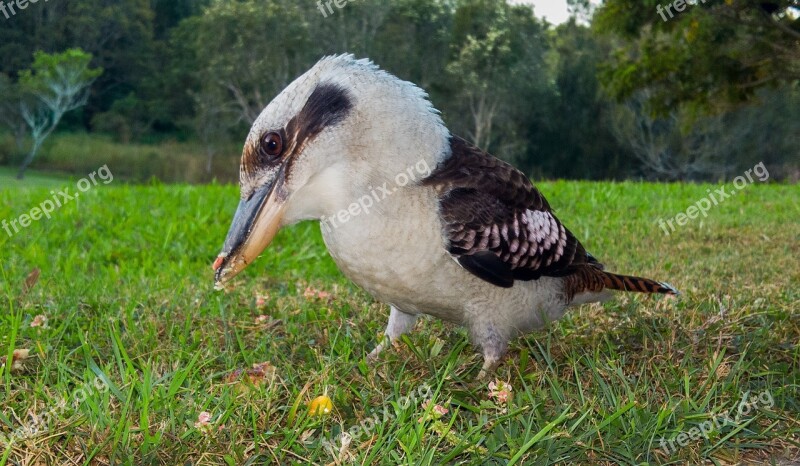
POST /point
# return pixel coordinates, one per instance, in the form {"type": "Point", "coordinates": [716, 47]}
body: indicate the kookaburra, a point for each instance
{"type": "Point", "coordinates": [450, 231]}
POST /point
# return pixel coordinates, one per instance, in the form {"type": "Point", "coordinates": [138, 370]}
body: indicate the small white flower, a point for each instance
{"type": "Point", "coordinates": [39, 321]}
{"type": "Point", "coordinates": [500, 391]}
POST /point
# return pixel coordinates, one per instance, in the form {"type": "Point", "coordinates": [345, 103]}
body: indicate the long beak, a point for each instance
{"type": "Point", "coordinates": [254, 225]}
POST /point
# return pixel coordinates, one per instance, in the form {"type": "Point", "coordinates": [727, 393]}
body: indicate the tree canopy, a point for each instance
{"type": "Point", "coordinates": [709, 54]}
{"type": "Point", "coordinates": [54, 85]}
{"type": "Point", "coordinates": [559, 101]}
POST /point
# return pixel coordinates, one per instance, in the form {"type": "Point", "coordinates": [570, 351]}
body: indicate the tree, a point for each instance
{"type": "Point", "coordinates": [709, 55]}
{"type": "Point", "coordinates": [573, 136]}
{"type": "Point", "coordinates": [355, 28]}
{"type": "Point", "coordinates": [498, 68]}
{"type": "Point", "coordinates": [479, 67]}
{"type": "Point", "coordinates": [57, 84]}
{"type": "Point", "coordinates": [213, 115]}
{"type": "Point", "coordinates": [412, 42]}
{"type": "Point", "coordinates": [118, 34]}
{"type": "Point", "coordinates": [233, 52]}
{"type": "Point", "coordinates": [10, 114]}
{"type": "Point", "coordinates": [666, 149]}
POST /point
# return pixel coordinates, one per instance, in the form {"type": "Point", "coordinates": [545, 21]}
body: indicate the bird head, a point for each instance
{"type": "Point", "coordinates": [340, 127]}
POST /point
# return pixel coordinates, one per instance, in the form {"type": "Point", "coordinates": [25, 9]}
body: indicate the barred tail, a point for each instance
{"type": "Point", "coordinates": [613, 281]}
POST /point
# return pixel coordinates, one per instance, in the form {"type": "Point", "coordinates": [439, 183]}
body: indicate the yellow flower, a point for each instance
{"type": "Point", "coordinates": [321, 405]}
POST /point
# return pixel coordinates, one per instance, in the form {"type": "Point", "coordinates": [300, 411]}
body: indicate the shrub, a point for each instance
{"type": "Point", "coordinates": [81, 153]}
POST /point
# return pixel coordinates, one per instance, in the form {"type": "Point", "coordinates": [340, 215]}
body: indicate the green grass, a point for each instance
{"type": "Point", "coordinates": [126, 286]}
{"type": "Point", "coordinates": [78, 154]}
{"type": "Point", "coordinates": [8, 179]}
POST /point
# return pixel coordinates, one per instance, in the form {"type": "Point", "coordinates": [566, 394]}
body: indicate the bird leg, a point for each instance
{"type": "Point", "coordinates": [493, 345]}
{"type": "Point", "coordinates": [399, 323]}
{"type": "Point", "coordinates": [489, 366]}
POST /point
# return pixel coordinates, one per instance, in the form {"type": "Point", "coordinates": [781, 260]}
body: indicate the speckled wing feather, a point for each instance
{"type": "Point", "coordinates": [498, 225]}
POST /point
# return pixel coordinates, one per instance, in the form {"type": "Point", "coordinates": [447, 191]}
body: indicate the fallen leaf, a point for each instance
{"type": "Point", "coordinates": [17, 357]}
{"type": "Point", "coordinates": [256, 375]}
{"type": "Point", "coordinates": [31, 280]}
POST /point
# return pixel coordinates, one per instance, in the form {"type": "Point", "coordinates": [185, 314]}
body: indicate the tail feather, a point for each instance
{"type": "Point", "coordinates": [613, 281]}
{"type": "Point", "coordinates": [586, 284]}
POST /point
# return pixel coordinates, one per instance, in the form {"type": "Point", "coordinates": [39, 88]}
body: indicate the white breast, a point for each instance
{"type": "Point", "coordinates": [396, 252]}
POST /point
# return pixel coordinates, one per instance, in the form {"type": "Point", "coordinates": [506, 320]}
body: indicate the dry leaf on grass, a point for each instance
{"type": "Point", "coordinates": [30, 280]}
{"type": "Point", "coordinates": [256, 375]}
{"type": "Point", "coordinates": [17, 357]}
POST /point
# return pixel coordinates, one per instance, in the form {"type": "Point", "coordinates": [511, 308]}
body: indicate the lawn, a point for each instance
{"type": "Point", "coordinates": [8, 180]}
{"type": "Point", "coordinates": [137, 344]}
{"type": "Point", "coordinates": [79, 154]}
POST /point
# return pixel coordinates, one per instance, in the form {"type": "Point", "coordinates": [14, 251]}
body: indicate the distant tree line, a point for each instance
{"type": "Point", "coordinates": [627, 96]}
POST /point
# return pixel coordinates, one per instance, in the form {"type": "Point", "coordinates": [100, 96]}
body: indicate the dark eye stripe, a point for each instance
{"type": "Point", "coordinates": [327, 105]}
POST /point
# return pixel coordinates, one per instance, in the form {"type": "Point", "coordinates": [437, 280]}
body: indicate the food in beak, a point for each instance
{"type": "Point", "coordinates": [218, 263]}
{"type": "Point", "coordinates": [256, 222]}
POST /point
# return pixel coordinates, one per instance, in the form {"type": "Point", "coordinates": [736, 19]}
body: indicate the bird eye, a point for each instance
{"type": "Point", "coordinates": [271, 146]}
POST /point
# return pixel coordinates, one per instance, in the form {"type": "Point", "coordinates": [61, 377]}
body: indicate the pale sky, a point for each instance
{"type": "Point", "coordinates": [554, 10]}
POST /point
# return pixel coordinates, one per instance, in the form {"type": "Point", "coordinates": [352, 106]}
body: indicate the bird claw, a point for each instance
{"type": "Point", "coordinates": [372, 357]}
{"type": "Point", "coordinates": [489, 366]}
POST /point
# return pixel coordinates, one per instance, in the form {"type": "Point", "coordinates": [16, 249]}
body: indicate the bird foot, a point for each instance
{"type": "Point", "coordinates": [493, 344]}
{"type": "Point", "coordinates": [399, 323]}
{"type": "Point", "coordinates": [372, 357]}
{"type": "Point", "coordinates": [489, 366]}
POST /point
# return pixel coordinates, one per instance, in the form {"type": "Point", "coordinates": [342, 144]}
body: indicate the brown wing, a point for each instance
{"type": "Point", "coordinates": [498, 225]}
